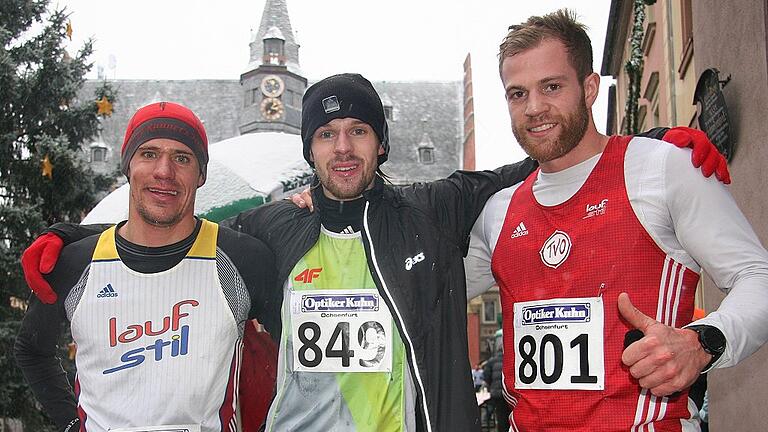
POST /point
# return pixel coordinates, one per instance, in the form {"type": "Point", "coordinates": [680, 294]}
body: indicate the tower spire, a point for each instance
{"type": "Point", "coordinates": [274, 20]}
{"type": "Point", "coordinates": [273, 83]}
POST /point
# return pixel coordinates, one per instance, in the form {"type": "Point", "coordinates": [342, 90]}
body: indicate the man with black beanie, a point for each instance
{"type": "Point", "coordinates": [374, 307]}
{"type": "Point", "coordinates": [374, 299]}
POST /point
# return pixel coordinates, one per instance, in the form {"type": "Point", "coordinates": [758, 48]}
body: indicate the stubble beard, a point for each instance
{"type": "Point", "coordinates": [574, 126]}
{"type": "Point", "coordinates": [158, 221]}
{"type": "Point", "coordinates": [346, 190]}
{"type": "Point", "coordinates": [157, 218]}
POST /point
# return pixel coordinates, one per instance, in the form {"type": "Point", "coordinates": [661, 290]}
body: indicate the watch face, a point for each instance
{"type": "Point", "coordinates": [711, 338]}
{"type": "Point", "coordinates": [272, 86]}
{"type": "Point", "coordinates": [714, 339]}
{"type": "Point", "coordinates": [272, 108]}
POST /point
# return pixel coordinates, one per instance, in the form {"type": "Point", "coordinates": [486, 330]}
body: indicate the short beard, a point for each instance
{"type": "Point", "coordinates": [574, 126]}
{"type": "Point", "coordinates": [346, 193]}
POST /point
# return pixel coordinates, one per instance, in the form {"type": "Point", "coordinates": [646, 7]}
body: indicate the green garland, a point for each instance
{"type": "Point", "coordinates": [634, 68]}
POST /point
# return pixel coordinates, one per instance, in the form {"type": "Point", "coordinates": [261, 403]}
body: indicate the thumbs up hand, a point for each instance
{"type": "Point", "coordinates": [666, 360]}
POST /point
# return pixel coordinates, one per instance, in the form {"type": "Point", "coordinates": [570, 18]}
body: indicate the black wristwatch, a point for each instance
{"type": "Point", "coordinates": [712, 340]}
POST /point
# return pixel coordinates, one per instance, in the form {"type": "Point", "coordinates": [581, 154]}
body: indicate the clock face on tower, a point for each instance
{"type": "Point", "coordinates": [272, 86]}
{"type": "Point", "coordinates": [271, 108]}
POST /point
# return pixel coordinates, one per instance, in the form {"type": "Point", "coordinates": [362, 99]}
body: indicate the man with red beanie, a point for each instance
{"type": "Point", "coordinates": [156, 304]}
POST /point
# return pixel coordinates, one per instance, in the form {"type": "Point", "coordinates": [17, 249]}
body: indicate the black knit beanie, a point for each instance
{"type": "Point", "coordinates": [342, 96]}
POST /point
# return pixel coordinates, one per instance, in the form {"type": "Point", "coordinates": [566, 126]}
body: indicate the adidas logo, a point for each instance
{"type": "Point", "coordinates": [520, 231]}
{"type": "Point", "coordinates": [107, 291]}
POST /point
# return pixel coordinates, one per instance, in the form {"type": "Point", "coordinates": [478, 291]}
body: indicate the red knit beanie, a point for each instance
{"type": "Point", "coordinates": [165, 120]}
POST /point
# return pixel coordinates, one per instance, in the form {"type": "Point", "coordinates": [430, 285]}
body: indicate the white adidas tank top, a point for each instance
{"type": "Point", "coordinates": [156, 349]}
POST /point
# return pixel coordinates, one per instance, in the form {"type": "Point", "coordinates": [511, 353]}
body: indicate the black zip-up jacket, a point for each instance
{"type": "Point", "coordinates": [415, 238]}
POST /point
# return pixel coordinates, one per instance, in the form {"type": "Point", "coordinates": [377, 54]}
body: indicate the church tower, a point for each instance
{"type": "Point", "coordinates": [273, 84]}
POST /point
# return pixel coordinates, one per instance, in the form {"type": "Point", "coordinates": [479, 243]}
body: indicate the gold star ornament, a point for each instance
{"type": "Point", "coordinates": [105, 106]}
{"type": "Point", "coordinates": [47, 168]}
{"type": "Point", "coordinates": [71, 350]}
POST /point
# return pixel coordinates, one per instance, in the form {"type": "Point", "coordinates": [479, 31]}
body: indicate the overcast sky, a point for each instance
{"type": "Point", "coordinates": [394, 40]}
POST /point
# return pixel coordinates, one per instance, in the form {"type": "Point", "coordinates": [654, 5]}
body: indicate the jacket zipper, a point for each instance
{"type": "Point", "coordinates": [399, 318]}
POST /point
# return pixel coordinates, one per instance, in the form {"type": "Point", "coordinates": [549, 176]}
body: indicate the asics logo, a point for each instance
{"type": "Point", "coordinates": [410, 262]}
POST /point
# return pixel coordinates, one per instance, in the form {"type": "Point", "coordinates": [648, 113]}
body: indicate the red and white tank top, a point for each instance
{"type": "Point", "coordinates": [560, 270]}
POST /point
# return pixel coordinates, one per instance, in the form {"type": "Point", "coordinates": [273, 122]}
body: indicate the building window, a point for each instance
{"type": "Point", "coordinates": [427, 155]}
{"type": "Point", "coordinates": [274, 51]}
{"type": "Point", "coordinates": [98, 154]}
{"type": "Point", "coordinates": [686, 13]}
{"type": "Point", "coordinates": [642, 112]}
{"type": "Point", "coordinates": [652, 87]}
{"type": "Point", "coordinates": [650, 29]}
{"type": "Point", "coordinates": [297, 99]}
{"type": "Point", "coordinates": [292, 98]}
{"type": "Point", "coordinates": [388, 112]}
{"type": "Point", "coordinates": [489, 311]}
{"type": "Point", "coordinates": [426, 149]}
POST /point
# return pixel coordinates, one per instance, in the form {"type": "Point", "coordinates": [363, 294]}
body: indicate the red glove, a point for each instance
{"type": "Point", "coordinates": [38, 259]}
{"type": "Point", "coordinates": [705, 155]}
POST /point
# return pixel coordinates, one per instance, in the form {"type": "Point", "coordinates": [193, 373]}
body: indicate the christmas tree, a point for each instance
{"type": "Point", "coordinates": [44, 173]}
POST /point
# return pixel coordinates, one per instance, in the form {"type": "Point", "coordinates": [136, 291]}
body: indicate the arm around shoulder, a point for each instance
{"type": "Point", "coordinates": [255, 263]}
{"type": "Point", "coordinates": [71, 233]}
{"type": "Point", "coordinates": [459, 199]}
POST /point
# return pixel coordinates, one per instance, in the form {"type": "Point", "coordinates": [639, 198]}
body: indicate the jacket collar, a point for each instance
{"type": "Point", "coordinates": [375, 193]}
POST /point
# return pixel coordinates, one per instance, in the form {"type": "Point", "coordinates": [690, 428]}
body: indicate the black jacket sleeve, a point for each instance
{"type": "Point", "coordinates": [36, 351]}
{"type": "Point", "coordinates": [70, 232]}
{"type": "Point", "coordinates": [276, 225]}
{"type": "Point", "coordinates": [253, 222]}
{"type": "Point", "coordinates": [656, 133]}
{"type": "Point", "coordinates": [36, 348]}
{"type": "Point", "coordinates": [457, 201]}
{"type": "Point", "coordinates": [256, 265]}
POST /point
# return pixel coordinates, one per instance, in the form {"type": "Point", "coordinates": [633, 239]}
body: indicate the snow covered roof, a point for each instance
{"type": "Point", "coordinates": [245, 170]}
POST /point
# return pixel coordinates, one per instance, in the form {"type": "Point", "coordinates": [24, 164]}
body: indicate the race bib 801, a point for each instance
{"type": "Point", "coordinates": [559, 344]}
{"type": "Point", "coordinates": [340, 331]}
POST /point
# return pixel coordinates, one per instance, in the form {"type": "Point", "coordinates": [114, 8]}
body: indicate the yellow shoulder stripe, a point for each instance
{"type": "Point", "coordinates": [105, 247]}
{"type": "Point", "coordinates": [205, 243]}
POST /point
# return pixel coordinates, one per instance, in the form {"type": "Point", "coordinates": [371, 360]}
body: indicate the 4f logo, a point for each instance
{"type": "Point", "coordinates": [308, 275]}
{"type": "Point", "coordinates": [556, 249]}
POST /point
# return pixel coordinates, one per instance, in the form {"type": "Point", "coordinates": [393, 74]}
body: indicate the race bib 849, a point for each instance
{"type": "Point", "coordinates": [340, 331]}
